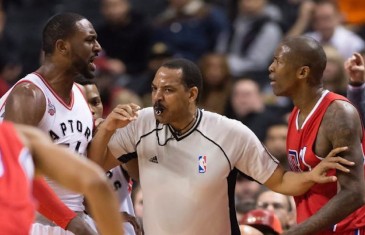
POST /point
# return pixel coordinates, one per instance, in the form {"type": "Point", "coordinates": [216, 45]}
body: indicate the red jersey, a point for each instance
{"type": "Point", "coordinates": [16, 178]}
{"type": "Point", "coordinates": [300, 146]}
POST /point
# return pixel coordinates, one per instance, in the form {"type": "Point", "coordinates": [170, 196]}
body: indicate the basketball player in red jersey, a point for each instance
{"type": "Point", "coordinates": [320, 121]}
{"type": "Point", "coordinates": [24, 153]}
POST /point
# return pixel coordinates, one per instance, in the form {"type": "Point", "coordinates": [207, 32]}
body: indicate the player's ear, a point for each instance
{"type": "Point", "coordinates": [62, 46]}
{"type": "Point", "coordinates": [303, 72]}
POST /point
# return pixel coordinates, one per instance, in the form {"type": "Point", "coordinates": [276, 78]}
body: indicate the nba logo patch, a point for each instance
{"type": "Point", "coordinates": [202, 164]}
{"type": "Point", "coordinates": [51, 108]}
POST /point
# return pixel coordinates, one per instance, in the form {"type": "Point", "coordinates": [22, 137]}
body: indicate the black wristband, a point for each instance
{"type": "Point", "coordinates": [356, 84]}
{"type": "Point", "coordinates": [127, 157]}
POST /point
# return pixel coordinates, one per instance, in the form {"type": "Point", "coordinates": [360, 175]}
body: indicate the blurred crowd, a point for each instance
{"type": "Point", "coordinates": [232, 41]}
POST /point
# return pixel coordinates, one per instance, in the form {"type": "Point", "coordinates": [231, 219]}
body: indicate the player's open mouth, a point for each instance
{"type": "Point", "coordinates": [91, 63]}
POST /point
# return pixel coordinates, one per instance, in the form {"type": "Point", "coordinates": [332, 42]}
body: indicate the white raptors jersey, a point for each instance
{"type": "Point", "coordinates": [186, 180]}
{"type": "Point", "coordinates": [122, 188]}
{"type": "Point", "coordinates": [70, 125]}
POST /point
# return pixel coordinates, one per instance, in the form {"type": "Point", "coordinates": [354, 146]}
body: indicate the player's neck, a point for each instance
{"type": "Point", "coordinates": [58, 81]}
{"type": "Point", "coordinates": [308, 101]}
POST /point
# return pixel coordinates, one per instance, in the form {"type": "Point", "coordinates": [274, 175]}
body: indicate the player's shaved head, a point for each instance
{"type": "Point", "coordinates": [305, 51]}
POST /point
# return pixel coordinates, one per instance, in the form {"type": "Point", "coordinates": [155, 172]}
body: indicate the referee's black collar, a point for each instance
{"type": "Point", "coordinates": [178, 137]}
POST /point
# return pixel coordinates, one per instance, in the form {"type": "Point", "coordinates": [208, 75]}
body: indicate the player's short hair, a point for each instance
{"type": "Point", "coordinates": [306, 51]}
{"type": "Point", "coordinates": [191, 75]}
{"type": "Point", "coordinates": [58, 27]}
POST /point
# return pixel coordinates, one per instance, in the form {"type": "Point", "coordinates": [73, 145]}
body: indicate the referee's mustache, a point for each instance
{"type": "Point", "coordinates": [158, 107]}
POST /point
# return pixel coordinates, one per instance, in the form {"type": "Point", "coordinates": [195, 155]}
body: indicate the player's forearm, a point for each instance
{"type": "Point", "coordinates": [50, 205]}
{"type": "Point", "coordinates": [106, 214]}
{"type": "Point", "coordinates": [98, 146]}
{"type": "Point", "coordinates": [338, 208]}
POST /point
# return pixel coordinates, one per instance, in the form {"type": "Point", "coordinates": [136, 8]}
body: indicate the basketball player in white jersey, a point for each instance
{"type": "Point", "coordinates": [24, 155]}
{"type": "Point", "coordinates": [188, 158]}
{"type": "Point", "coordinates": [118, 176]}
{"type": "Point", "coordinates": [50, 100]}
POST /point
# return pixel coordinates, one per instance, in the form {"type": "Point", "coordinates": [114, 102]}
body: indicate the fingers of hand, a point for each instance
{"type": "Point", "coordinates": [135, 107]}
{"type": "Point", "coordinates": [329, 179]}
{"type": "Point", "coordinates": [336, 151]}
{"type": "Point", "coordinates": [359, 68]}
{"type": "Point", "coordinates": [358, 58]}
{"type": "Point", "coordinates": [125, 112]}
{"type": "Point", "coordinates": [340, 167]}
{"type": "Point", "coordinates": [342, 161]}
{"type": "Point", "coordinates": [338, 163]}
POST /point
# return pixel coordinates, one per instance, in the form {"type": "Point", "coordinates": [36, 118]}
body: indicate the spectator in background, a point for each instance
{"type": "Point", "coordinates": [353, 12]}
{"type": "Point", "coordinates": [247, 106]}
{"type": "Point", "coordinates": [190, 28]}
{"type": "Point", "coordinates": [9, 72]}
{"type": "Point", "coordinates": [245, 194]}
{"type": "Point", "coordinates": [149, 8]}
{"type": "Point", "coordinates": [158, 54]}
{"type": "Point", "coordinates": [303, 18]}
{"type": "Point", "coordinates": [246, 188]}
{"type": "Point", "coordinates": [113, 93]}
{"type": "Point", "coordinates": [290, 9]}
{"type": "Point", "coordinates": [263, 220]}
{"type": "Point", "coordinates": [281, 205]}
{"type": "Point", "coordinates": [125, 96]}
{"type": "Point", "coordinates": [244, 206]}
{"type": "Point", "coordinates": [10, 65]}
{"type": "Point", "coordinates": [334, 76]}
{"type": "Point", "coordinates": [252, 40]}
{"type": "Point", "coordinates": [125, 37]}
{"type": "Point", "coordinates": [275, 140]}
{"type": "Point", "coordinates": [328, 28]}
{"type": "Point", "coordinates": [354, 67]}
{"type": "Point", "coordinates": [217, 82]}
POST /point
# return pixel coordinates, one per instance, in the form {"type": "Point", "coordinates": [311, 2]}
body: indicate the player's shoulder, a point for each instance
{"type": "Point", "coordinates": [341, 114]}
{"type": "Point", "coordinates": [29, 83]}
{"type": "Point", "coordinates": [340, 108]}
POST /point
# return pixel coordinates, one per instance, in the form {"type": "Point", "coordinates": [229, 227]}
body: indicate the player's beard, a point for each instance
{"type": "Point", "coordinates": [83, 68]}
